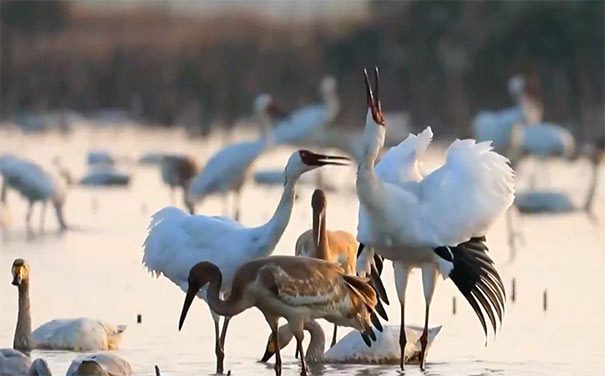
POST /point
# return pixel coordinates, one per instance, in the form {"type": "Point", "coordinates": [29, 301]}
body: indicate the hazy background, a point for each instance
{"type": "Point", "coordinates": [202, 63]}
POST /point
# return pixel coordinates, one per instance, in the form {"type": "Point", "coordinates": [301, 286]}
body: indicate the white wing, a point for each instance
{"type": "Point", "coordinates": [463, 197]}
{"type": "Point", "coordinates": [82, 334]}
{"type": "Point", "coordinates": [226, 169]}
{"type": "Point", "coordinates": [28, 178]}
{"type": "Point", "coordinates": [177, 241]}
{"type": "Point", "coordinates": [399, 166]}
{"type": "Point", "coordinates": [300, 125]}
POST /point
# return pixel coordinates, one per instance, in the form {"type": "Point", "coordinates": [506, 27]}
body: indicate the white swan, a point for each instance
{"type": "Point", "coordinates": [81, 334]}
{"type": "Point", "coordinates": [352, 349]}
{"type": "Point", "coordinates": [14, 363]}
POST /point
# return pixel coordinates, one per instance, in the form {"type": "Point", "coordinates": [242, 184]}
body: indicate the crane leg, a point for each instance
{"type": "Point", "coordinates": [299, 346]}
{"type": "Point", "coordinates": [226, 204]}
{"type": "Point", "coordinates": [401, 280]}
{"type": "Point", "coordinates": [218, 349]}
{"type": "Point", "coordinates": [273, 322]}
{"type": "Point", "coordinates": [28, 216]}
{"type": "Point", "coordinates": [236, 205]}
{"type": "Point", "coordinates": [424, 338]}
{"type": "Point", "coordinates": [42, 216]}
{"type": "Point", "coordinates": [334, 336]}
{"type": "Point", "coordinates": [172, 199]}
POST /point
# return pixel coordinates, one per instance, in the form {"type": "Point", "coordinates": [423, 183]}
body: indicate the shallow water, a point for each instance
{"type": "Point", "coordinates": [96, 271]}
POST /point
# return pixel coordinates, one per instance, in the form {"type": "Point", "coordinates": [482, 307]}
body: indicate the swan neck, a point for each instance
{"type": "Point", "coordinates": [317, 345]}
{"type": "Point", "coordinates": [320, 237]}
{"type": "Point", "coordinates": [23, 332]}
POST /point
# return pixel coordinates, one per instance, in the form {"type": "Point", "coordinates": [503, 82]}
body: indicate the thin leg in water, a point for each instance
{"type": "Point", "coordinates": [401, 281]}
{"type": "Point", "coordinates": [237, 203]}
{"type": "Point", "coordinates": [429, 279]}
{"type": "Point", "coordinates": [218, 349]}
{"type": "Point", "coordinates": [42, 215]}
{"type": "Point", "coordinates": [334, 336]}
{"type": "Point", "coordinates": [299, 346]}
{"type": "Point", "coordinates": [273, 322]}
{"type": "Point", "coordinates": [28, 216]}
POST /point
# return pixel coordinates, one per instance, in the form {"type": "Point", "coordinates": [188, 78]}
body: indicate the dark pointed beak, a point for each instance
{"type": "Point", "coordinates": [16, 280]}
{"type": "Point", "coordinates": [191, 292]}
{"type": "Point", "coordinates": [322, 160]}
{"type": "Point", "coordinates": [268, 354]}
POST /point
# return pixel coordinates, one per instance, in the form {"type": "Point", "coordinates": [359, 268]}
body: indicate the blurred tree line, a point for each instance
{"type": "Point", "coordinates": [442, 61]}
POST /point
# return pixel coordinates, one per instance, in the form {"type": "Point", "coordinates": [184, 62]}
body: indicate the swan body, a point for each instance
{"type": "Point", "coordinates": [14, 363]}
{"type": "Point", "coordinates": [102, 364]}
{"type": "Point", "coordinates": [535, 202]}
{"type": "Point", "coordinates": [100, 157]}
{"type": "Point", "coordinates": [81, 334]}
{"type": "Point", "coordinates": [545, 140]}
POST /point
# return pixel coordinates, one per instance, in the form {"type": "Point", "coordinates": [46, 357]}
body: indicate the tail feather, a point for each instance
{"type": "Point", "coordinates": [477, 279]}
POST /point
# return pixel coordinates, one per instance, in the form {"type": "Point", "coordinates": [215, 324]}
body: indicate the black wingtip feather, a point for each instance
{"type": "Point", "coordinates": [366, 339]}
{"type": "Point", "coordinates": [477, 279]}
{"type": "Point", "coordinates": [376, 321]}
{"type": "Point", "coordinates": [380, 310]}
{"type": "Point", "coordinates": [378, 286]}
{"type": "Point", "coordinates": [360, 249]}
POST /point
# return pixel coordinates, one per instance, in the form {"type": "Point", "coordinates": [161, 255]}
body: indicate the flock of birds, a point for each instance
{"type": "Point", "coordinates": [404, 216]}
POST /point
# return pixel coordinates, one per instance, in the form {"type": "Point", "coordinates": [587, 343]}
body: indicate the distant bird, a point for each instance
{"type": "Point", "coordinates": [227, 170]}
{"type": "Point", "coordinates": [351, 350]}
{"type": "Point", "coordinates": [102, 364]}
{"type": "Point", "coordinates": [267, 113]}
{"type": "Point", "coordinates": [497, 126]}
{"type": "Point", "coordinates": [305, 126]}
{"type": "Point", "coordinates": [105, 176]}
{"type": "Point", "coordinates": [338, 247]}
{"type": "Point", "coordinates": [153, 158]}
{"type": "Point", "coordinates": [437, 224]}
{"type": "Point", "coordinates": [95, 157]}
{"type": "Point", "coordinates": [81, 334]}
{"type": "Point", "coordinates": [177, 171]}
{"type": "Point", "coordinates": [176, 241]}
{"type": "Point", "coordinates": [295, 288]}
{"type": "Point", "coordinates": [34, 184]}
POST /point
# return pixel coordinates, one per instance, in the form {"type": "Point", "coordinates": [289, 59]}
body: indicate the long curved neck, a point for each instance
{"type": "Point", "coordinates": [23, 333]}
{"type": "Point", "coordinates": [368, 185]}
{"type": "Point", "coordinates": [315, 351]}
{"type": "Point", "coordinates": [320, 237]}
{"type": "Point", "coordinates": [230, 307]}
{"type": "Point", "coordinates": [592, 189]}
{"type": "Point", "coordinates": [272, 231]}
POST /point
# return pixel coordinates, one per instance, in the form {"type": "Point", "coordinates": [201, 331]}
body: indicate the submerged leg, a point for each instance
{"type": "Point", "coordinates": [402, 272]}
{"type": "Point", "coordinates": [334, 336]}
{"type": "Point", "coordinates": [218, 349]}
{"type": "Point", "coordinates": [42, 215]}
{"type": "Point", "coordinates": [299, 347]}
{"type": "Point", "coordinates": [28, 216]}
{"type": "Point", "coordinates": [429, 279]}
{"type": "Point", "coordinates": [273, 322]}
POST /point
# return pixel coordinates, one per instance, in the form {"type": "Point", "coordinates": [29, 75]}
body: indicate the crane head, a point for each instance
{"type": "Point", "coordinates": [373, 98]}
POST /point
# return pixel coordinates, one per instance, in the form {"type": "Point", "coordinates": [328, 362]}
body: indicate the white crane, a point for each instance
{"type": "Point", "coordinates": [351, 348]}
{"type": "Point", "coordinates": [177, 171]}
{"type": "Point", "coordinates": [82, 334]}
{"type": "Point", "coordinates": [306, 126]}
{"type": "Point", "coordinates": [34, 184]}
{"type": "Point", "coordinates": [177, 241]}
{"type": "Point", "coordinates": [227, 170]}
{"type": "Point", "coordinates": [497, 126]}
{"type": "Point", "coordinates": [437, 224]}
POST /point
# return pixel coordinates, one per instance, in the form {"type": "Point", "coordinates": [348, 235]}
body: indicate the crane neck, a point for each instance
{"type": "Point", "coordinates": [320, 237]}
{"type": "Point", "coordinates": [367, 183]}
{"type": "Point", "coordinates": [231, 306]}
{"type": "Point", "coordinates": [23, 332]}
{"type": "Point", "coordinates": [271, 232]}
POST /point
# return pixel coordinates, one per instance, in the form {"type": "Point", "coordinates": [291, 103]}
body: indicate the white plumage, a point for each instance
{"type": "Point", "coordinates": [226, 171]}
{"type": "Point", "coordinates": [102, 364]}
{"type": "Point", "coordinates": [545, 140]}
{"type": "Point", "coordinates": [81, 334]}
{"type": "Point", "coordinates": [176, 241]}
{"type": "Point", "coordinates": [436, 223]}
{"type": "Point", "coordinates": [14, 363]}
{"type": "Point", "coordinates": [33, 184]}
